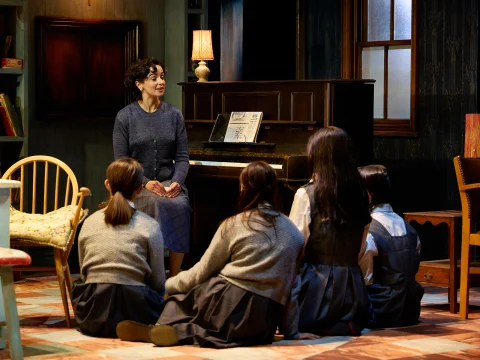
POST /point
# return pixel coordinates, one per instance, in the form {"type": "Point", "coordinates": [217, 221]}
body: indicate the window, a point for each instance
{"type": "Point", "coordinates": [383, 43]}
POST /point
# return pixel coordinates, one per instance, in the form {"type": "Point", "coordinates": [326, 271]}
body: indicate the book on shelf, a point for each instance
{"type": "Point", "coordinates": [12, 63]}
{"type": "Point", "coordinates": [6, 46]}
{"type": "Point", "coordinates": [7, 126]}
{"type": "Point", "coordinates": [12, 115]}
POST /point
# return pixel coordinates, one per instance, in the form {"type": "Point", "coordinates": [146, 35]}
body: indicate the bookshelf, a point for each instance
{"type": "Point", "coordinates": [14, 82]}
{"type": "Point", "coordinates": [6, 71]}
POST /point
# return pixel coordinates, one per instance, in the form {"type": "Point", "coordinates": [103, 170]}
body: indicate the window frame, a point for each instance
{"type": "Point", "coordinates": [354, 32]}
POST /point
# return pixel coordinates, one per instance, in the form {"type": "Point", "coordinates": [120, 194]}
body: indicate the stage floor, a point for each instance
{"type": "Point", "coordinates": [439, 335]}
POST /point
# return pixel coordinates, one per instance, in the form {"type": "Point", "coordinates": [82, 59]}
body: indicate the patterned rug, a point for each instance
{"type": "Point", "coordinates": [439, 335]}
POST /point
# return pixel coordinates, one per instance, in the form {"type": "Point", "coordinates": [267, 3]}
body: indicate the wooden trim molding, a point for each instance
{"type": "Point", "coordinates": [300, 41]}
{"type": "Point", "coordinates": [348, 40]}
{"type": "Point", "coordinates": [414, 70]}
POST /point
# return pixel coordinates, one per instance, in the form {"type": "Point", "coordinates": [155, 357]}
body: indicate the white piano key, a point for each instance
{"type": "Point", "coordinates": [227, 164]}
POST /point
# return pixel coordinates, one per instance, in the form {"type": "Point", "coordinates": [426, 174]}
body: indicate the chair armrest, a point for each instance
{"type": "Point", "coordinates": [85, 191]}
{"type": "Point", "coordinates": [81, 195]}
{"type": "Point", "coordinates": [469, 187]}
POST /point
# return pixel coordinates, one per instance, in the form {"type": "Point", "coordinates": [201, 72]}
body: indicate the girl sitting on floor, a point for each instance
{"type": "Point", "coordinates": [235, 294]}
{"type": "Point", "coordinates": [121, 259]}
{"type": "Point", "coordinates": [391, 258]}
{"type": "Point", "coordinates": [332, 213]}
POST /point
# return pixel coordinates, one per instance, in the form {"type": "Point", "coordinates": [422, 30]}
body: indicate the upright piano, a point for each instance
{"type": "Point", "coordinates": [292, 111]}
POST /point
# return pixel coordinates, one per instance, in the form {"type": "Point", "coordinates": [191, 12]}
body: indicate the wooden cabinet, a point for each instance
{"type": "Point", "coordinates": [14, 82]}
{"type": "Point", "coordinates": [81, 67]}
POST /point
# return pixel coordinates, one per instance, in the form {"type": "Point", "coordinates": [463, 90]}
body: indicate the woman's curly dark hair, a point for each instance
{"type": "Point", "coordinates": [139, 71]}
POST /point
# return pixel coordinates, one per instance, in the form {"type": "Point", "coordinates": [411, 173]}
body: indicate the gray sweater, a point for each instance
{"type": "Point", "coordinates": [158, 141]}
{"type": "Point", "coordinates": [247, 259]}
{"type": "Point", "coordinates": [124, 254]}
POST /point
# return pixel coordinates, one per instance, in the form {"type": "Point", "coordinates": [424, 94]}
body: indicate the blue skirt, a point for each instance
{"type": "Point", "coordinates": [333, 300]}
{"type": "Point", "coordinates": [173, 215]}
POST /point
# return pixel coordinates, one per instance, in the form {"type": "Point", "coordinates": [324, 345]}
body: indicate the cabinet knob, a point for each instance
{"type": "Point", "coordinates": [427, 276]}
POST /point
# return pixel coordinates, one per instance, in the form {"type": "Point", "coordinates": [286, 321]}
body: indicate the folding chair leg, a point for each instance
{"type": "Point", "coordinates": [62, 284]}
{"type": "Point", "coordinates": [13, 323]}
{"type": "Point", "coordinates": [464, 279]}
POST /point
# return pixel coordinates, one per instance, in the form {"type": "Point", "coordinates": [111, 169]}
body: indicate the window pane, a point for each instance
{"type": "Point", "coordinates": [373, 68]}
{"type": "Point", "coordinates": [402, 22]}
{"type": "Point", "coordinates": [378, 20]}
{"type": "Point", "coordinates": [399, 66]}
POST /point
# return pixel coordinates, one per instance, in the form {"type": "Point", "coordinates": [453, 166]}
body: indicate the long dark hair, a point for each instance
{"type": "Point", "coordinates": [139, 71]}
{"type": "Point", "coordinates": [125, 178]}
{"type": "Point", "coordinates": [340, 195]}
{"type": "Point", "coordinates": [258, 192]}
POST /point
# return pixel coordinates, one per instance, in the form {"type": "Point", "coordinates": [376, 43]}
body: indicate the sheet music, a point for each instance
{"type": "Point", "coordinates": [243, 126]}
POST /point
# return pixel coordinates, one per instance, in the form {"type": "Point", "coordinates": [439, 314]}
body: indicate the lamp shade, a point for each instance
{"type": "Point", "coordinates": [202, 45]}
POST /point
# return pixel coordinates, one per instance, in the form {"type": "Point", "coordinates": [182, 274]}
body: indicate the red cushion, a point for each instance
{"type": "Point", "coordinates": [10, 257]}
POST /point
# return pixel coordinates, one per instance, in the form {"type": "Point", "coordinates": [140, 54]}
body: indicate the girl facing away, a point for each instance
{"type": "Point", "coordinates": [332, 213]}
{"type": "Point", "coordinates": [391, 258]}
{"type": "Point", "coordinates": [121, 259]}
{"type": "Point", "coordinates": [235, 294]}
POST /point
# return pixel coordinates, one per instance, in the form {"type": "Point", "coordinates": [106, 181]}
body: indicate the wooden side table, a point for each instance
{"type": "Point", "coordinates": [441, 272]}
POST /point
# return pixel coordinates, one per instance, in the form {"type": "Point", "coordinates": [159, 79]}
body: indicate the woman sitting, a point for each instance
{"type": "Point", "coordinates": [121, 259]}
{"type": "Point", "coordinates": [235, 294]}
{"type": "Point", "coordinates": [153, 132]}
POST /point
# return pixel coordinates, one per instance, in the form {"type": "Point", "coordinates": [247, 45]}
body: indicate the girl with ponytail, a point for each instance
{"type": "Point", "coordinates": [121, 259]}
{"type": "Point", "coordinates": [235, 294]}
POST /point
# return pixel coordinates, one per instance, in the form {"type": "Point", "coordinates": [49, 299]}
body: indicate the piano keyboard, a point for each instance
{"type": "Point", "coordinates": [227, 164]}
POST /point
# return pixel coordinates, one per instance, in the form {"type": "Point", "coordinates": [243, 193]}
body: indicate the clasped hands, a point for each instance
{"type": "Point", "coordinates": [165, 191]}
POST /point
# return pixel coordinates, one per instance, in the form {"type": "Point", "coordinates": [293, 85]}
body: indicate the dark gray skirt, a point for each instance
{"type": "Point", "coordinates": [333, 300]}
{"type": "Point", "coordinates": [100, 307]}
{"type": "Point", "coordinates": [395, 305]}
{"type": "Point", "coordinates": [173, 215]}
{"type": "Point", "coordinates": [219, 314]}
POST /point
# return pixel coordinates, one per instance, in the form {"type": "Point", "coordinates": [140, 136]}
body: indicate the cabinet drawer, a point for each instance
{"type": "Point", "coordinates": [431, 274]}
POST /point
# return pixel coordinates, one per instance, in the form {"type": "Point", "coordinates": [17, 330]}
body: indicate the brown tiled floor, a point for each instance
{"type": "Point", "coordinates": [439, 335]}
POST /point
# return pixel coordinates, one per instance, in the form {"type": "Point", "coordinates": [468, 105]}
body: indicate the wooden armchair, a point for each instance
{"type": "Point", "coordinates": [468, 179]}
{"type": "Point", "coordinates": [56, 221]}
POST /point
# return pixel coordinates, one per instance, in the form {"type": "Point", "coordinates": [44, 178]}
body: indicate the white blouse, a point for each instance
{"type": "Point", "coordinates": [300, 214]}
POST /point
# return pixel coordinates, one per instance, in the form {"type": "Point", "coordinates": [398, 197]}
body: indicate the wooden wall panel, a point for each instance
{"type": "Point", "coordinates": [266, 101]}
{"type": "Point", "coordinates": [203, 106]}
{"type": "Point", "coordinates": [77, 77]}
{"type": "Point", "coordinates": [63, 47]}
{"type": "Point", "coordinates": [302, 106]}
{"type": "Point", "coordinates": [106, 91]}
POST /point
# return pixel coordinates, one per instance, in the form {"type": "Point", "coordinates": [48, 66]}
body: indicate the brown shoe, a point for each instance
{"type": "Point", "coordinates": [163, 335]}
{"type": "Point", "coordinates": [128, 330]}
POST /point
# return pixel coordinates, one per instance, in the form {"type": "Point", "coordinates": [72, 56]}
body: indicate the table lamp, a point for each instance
{"type": "Point", "coordinates": [202, 50]}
